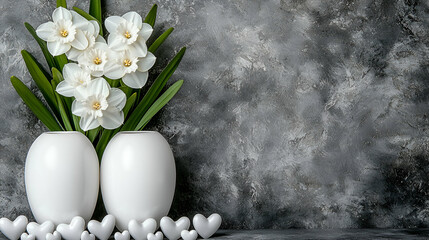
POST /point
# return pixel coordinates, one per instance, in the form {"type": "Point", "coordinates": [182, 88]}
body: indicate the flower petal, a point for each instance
{"type": "Point", "coordinates": [66, 89]}
{"type": "Point", "coordinates": [113, 70]}
{"type": "Point", "coordinates": [73, 54]}
{"type": "Point", "coordinates": [139, 48]}
{"type": "Point", "coordinates": [80, 41]}
{"type": "Point", "coordinates": [117, 98]}
{"type": "Point", "coordinates": [136, 79]}
{"type": "Point", "coordinates": [88, 27]}
{"type": "Point", "coordinates": [61, 14]}
{"type": "Point", "coordinates": [133, 18]}
{"type": "Point", "coordinates": [80, 94]}
{"type": "Point", "coordinates": [97, 73]}
{"type": "Point", "coordinates": [69, 71]}
{"type": "Point", "coordinates": [115, 42]}
{"type": "Point", "coordinates": [96, 27]}
{"type": "Point", "coordinates": [46, 31]}
{"type": "Point", "coordinates": [81, 22]}
{"type": "Point", "coordinates": [111, 23]}
{"type": "Point", "coordinates": [78, 108]}
{"type": "Point", "coordinates": [147, 62]}
{"type": "Point", "coordinates": [112, 118]}
{"type": "Point", "coordinates": [57, 48]}
{"type": "Point", "coordinates": [146, 31]}
{"type": "Point", "coordinates": [100, 39]}
{"type": "Point", "coordinates": [99, 86]}
{"type": "Point", "coordinates": [88, 122]}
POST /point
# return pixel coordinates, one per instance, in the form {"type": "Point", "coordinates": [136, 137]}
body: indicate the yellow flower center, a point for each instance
{"type": "Point", "coordinates": [127, 34]}
{"type": "Point", "coordinates": [96, 106]}
{"type": "Point", "coordinates": [127, 62]}
{"type": "Point", "coordinates": [97, 61]}
{"type": "Point", "coordinates": [64, 33]}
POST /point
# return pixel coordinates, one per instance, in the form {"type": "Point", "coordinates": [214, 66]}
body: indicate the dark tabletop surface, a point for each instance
{"type": "Point", "coordinates": [299, 234]}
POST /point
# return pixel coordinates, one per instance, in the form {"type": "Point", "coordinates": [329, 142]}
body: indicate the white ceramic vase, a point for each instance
{"type": "Point", "coordinates": [138, 177]}
{"type": "Point", "coordinates": [62, 177]}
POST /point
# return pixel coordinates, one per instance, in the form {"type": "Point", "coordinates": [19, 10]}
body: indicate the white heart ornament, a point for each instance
{"type": "Point", "coordinates": [189, 235]}
{"type": "Point", "coordinates": [125, 235]}
{"type": "Point", "coordinates": [173, 229]}
{"type": "Point", "coordinates": [40, 230]}
{"type": "Point", "coordinates": [13, 230]}
{"type": "Point", "coordinates": [53, 236]}
{"type": "Point", "coordinates": [140, 231]}
{"type": "Point", "coordinates": [25, 236]}
{"type": "Point", "coordinates": [86, 236]}
{"type": "Point", "coordinates": [157, 236]}
{"type": "Point", "coordinates": [72, 231]}
{"type": "Point", "coordinates": [206, 227]}
{"type": "Point", "coordinates": [104, 229]}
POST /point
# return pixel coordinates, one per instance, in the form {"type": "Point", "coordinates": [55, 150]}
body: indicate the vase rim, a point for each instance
{"type": "Point", "coordinates": [136, 132]}
{"type": "Point", "coordinates": [62, 132]}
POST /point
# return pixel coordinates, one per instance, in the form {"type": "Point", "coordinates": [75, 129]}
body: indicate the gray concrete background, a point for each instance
{"type": "Point", "coordinates": [306, 114]}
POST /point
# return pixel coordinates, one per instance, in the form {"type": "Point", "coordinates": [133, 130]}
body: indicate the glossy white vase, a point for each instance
{"type": "Point", "coordinates": [62, 177]}
{"type": "Point", "coordinates": [138, 177]}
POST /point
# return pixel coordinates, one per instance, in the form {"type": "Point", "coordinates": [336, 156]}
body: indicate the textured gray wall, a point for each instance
{"type": "Point", "coordinates": [293, 113]}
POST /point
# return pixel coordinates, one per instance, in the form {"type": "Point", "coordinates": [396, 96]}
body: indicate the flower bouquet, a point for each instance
{"type": "Point", "coordinates": [95, 81]}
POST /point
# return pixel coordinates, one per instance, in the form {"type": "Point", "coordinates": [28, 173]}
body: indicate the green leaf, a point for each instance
{"type": "Point", "coordinates": [41, 81]}
{"type": "Point", "coordinates": [151, 16]}
{"type": "Point", "coordinates": [49, 58]}
{"type": "Point", "coordinates": [155, 45]}
{"type": "Point", "coordinates": [76, 121]}
{"type": "Point", "coordinates": [130, 102]}
{"type": "Point", "coordinates": [95, 9]}
{"type": "Point", "coordinates": [127, 90]}
{"type": "Point", "coordinates": [67, 101]}
{"type": "Point", "coordinates": [61, 60]}
{"type": "Point", "coordinates": [164, 99]}
{"type": "Point", "coordinates": [35, 105]}
{"type": "Point", "coordinates": [153, 92]}
{"type": "Point", "coordinates": [88, 17]}
{"type": "Point", "coordinates": [63, 111]}
{"type": "Point", "coordinates": [57, 77]}
{"type": "Point", "coordinates": [104, 140]}
{"type": "Point", "coordinates": [62, 3]}
{"type": "Point", "coordinates": [92, 134]}
{"type": "Point", "coordinates": [112, 82]}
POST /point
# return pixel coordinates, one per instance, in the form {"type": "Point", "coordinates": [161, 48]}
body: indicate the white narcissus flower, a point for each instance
{"type": "Point", "coordinates": [66, 31]}
{"type": "Point", "coordinates": [132, 69]}
{"type": "Point", "coordinates": [128, 33]}
{"type": "Point", "coordinates": [95, 59]}
{"type": "Point", "coordinates": [92, 35]}
{"type": "Point", "coordinates": [74, 77]}
{"type": "Point", "coordinates": [99, 104]}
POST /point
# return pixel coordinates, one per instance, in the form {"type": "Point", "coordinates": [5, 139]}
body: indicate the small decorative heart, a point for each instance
{"type": "Point", "coordinates": [25, 236]}
{"type": "Point", "coordinates": [189, 235]}
{"type": "Point", "coordinates": [125, 235]}
{"type": "Point", "coordinates": [104, 229]}
{"type": "Point", "coordinates": [173, 229]}
{"type": "Point", "coordinates": [72, 231]}
{"type": "Point", "coordinates": [139, 231]}
{"type": "Point", "coordinates": [157, 236]}
{"type": "Point", "coordinates": [207, 226]}
{"type": "Point", "coordinates": [53, 236]}
{"type": "Point", "coordinates": [87, 236]}
{"type": "Point", "coordinates": [13, 230]}
{"type": "Point", "coordinates": [40, 230]}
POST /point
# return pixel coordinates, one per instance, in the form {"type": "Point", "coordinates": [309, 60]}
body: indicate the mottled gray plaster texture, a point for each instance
{"type": "Point", "coordinates": [293, 114]}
